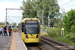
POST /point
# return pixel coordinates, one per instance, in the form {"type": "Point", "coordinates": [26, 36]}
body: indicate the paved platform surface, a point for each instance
{"type": "Point", "coordinates": [5, 42]}
{"type": "Point", "coordinates": [12, 43]}
{"type": "Point", "coordinates": [20, 45]}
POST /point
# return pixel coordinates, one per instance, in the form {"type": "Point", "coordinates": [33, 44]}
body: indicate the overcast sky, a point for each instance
{"type": "Point", "coordinates": [64, 4]}
{"type": "Point", "coordinates": [10, 13]}
{"type": "Point", "coordinates": [67, 5]}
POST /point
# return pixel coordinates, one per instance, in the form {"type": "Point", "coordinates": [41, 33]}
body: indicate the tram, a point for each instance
{"type": "Point", "coordinates": [2, 25]}
{"type": "Point", "coordinates": [30, 30]}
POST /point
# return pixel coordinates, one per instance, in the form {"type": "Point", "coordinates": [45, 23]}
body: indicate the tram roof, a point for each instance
{"type": "Point", "coordinates": [23, 21]}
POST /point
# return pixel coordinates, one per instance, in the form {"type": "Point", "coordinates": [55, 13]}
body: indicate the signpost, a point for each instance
{"type": "Point", "coordinates": [62, 32]}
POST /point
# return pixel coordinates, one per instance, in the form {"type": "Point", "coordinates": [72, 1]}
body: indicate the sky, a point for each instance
{"type": "Point", "coordinates": [10, 13]}
{"type": "Point", "coordinates": [66, 5]}
{"type": "Point", "coordinates": [16, 15]}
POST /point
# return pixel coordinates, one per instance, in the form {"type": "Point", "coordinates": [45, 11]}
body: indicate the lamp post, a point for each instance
{"type": "Point", "coordinates": [49, 20]}
{"type": "Point", "coordinates": [42, 22]}
{"type": "Point", "coordinates": [6, 17]}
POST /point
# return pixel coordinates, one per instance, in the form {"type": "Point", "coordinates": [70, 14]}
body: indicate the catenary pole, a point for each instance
{"type": "Point", "coordinates": [6, 17]}
{"type": "Point", "coordinates": [42, 21]}
{"type": "Point", "coordinates": [24, 9]}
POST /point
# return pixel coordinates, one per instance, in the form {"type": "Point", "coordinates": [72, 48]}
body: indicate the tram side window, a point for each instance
{"type": "Point", "coordinates": [23, 27]}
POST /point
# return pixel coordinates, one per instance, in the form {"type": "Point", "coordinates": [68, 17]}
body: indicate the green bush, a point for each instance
{"type": "Point", "coordinates": [54, 32]}
{"type": "Point", "coordinates": [66, 32]}
{"type": "Point", "coordinates": [44, 27]}
{"type": "Point", "coordinates": [63, 40]}
{"type": "Point", "coordinates": [73, 29]}
{"type": "Point", "coordinates": [71, 37]}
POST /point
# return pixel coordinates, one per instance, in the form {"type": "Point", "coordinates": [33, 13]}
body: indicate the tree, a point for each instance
{"type": "Point", "coordinates": [13, 24]}
{"type": "Point", "coordinates": [69, 20]}
{"type": "Point", "coordinates": [59, 23]}
{"type": "Point", "coordinates": [28, 13]}
{"type": "Point", "coordinates": [1, 23]}
{"type": "Point", "coordinates": [50, 7]}
{"type": "Point", "coordinates": [7, 23]}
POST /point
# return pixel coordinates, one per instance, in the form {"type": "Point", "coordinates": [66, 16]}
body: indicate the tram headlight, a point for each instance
{"type": "Point", "coordinates": [26, 36]}
{"type": "Point", "coordinates": [37, 36]}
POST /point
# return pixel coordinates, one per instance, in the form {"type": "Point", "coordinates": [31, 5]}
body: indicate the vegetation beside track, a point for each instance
{"type": "Point", "coordinates": [66, 21]}
{"type": "Point", "coordinates": [55, 33]}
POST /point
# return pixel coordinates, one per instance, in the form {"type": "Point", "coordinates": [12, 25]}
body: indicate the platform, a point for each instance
{"type": "Point", "coordinates": [12, 43]}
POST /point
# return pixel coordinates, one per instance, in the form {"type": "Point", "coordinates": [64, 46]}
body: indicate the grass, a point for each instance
{"type": "Point", "coordinates": [65, 40]}
{"type": "Point", "coordinates": [56, 34]}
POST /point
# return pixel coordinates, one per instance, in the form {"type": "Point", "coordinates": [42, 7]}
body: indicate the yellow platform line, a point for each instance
{"type": "Point", "coordinates": [13, 44]}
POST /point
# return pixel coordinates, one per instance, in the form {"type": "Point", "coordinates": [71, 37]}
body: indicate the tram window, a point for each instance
{"type": "Point", "coordinates": [32, 29]}
{"type": "Point", "coordinates": [23, 28]}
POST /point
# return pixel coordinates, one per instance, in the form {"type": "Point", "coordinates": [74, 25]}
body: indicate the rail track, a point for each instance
{"type": "Point", "coordinates": [32, 46]}
{"type": "Point", "coordinates": [51, 43]}
{"type": "Point", "coordinates": [55, 44]}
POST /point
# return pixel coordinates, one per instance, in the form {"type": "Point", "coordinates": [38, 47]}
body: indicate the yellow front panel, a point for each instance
{"type": "Point", "coordinates": [22, 35]}
{"type": "Point", "coordinates": [32, 38]}
{"type": "Point", "coordinates": [35, 40]}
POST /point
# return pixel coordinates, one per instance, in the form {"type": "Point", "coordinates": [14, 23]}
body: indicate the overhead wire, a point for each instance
{"type": "Point", "coordinates": [17, 18]}
{"type": "Point", "coordinates": [67, 3]}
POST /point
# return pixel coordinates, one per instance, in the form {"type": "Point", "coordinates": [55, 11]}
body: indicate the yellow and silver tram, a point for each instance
{"type": "Point", "coordinates": [30, 30]}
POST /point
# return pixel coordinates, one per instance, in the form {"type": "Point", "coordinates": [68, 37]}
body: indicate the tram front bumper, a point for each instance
{"type": "Point", "coordinates": [32, 40]}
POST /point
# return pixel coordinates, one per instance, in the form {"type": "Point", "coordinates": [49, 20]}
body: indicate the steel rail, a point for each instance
{"type": "Point", "coordinates": [47, 40]}
{"type": "Point", "coordinates": [35, 48]}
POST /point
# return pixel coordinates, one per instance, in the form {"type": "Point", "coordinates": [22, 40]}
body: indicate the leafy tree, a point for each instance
{"type": "Point", "coordinates": [1, 23]}
{"type": "Point", "coordinates": [69, 20]}
{"type": "Point", "coordinates": [52, 21]}
{"type": "Point", "coordinates": [28, 13]}
{"type": "Point", "coordinates": [50, 7]}
{"type": "Point", "coordinates": [59, 23]}
{"type": "Point", "coordinates": [7, 23]}
{"type": "Point", "coordinates": [14, 24]}
{"type": "Point", "coordinates": [73, 28]}
{"type": "Point", "coordinates": [59, 20]}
